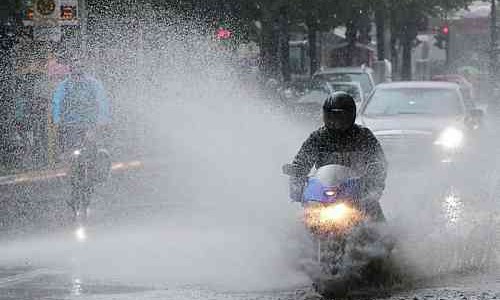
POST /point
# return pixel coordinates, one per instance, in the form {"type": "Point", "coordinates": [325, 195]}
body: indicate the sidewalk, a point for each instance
{"type": "Point", "coordinates": [48, 174]}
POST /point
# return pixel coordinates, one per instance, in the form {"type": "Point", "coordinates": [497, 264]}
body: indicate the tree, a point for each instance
{"type": "Point", "coordinates": [405, 18]}
{"type": "Point", "coordinates": [381, 14]}
{"type": "Point", "coordinates": [9, 13]}
{"type": "Point", "coordinates": [260, 18]}
{"type": "Point", "coordinates": [275, 16]}
{"type": "Point", "coordinates": [325, 15]}
{"type": "Point", "coordinates": [318, 15]}
{"type": "Point", "coordinates": [358, 24]}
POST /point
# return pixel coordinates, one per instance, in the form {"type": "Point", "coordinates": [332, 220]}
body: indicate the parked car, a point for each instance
{"type": "Point", "coordinates": [352, 88]}
{"type": "Point", "coordinates": [419, 122]}
{"type": "Point", "coordinates": [308, 105]}
{"type": "Point", "coordinates": [363, 75]}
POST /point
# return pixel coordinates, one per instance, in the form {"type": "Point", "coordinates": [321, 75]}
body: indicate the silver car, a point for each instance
{"type": "Point", "coordinates": [352, 88]}
{"type": "Point", "coordinates": [363, 75]}
{"type": "Point", "coordinates": [418, 122]}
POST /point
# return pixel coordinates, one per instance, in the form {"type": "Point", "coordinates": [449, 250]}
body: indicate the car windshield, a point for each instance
{"type": "Point", "coordinates": [362, 78]}
{"type": "Point", "coordinates": [442, 102]}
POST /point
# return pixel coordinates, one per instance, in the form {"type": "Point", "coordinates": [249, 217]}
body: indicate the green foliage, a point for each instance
{"type": "Point", "coordinates": [406, 17]}
{"type": "Point", "coordinates": [407, 14]}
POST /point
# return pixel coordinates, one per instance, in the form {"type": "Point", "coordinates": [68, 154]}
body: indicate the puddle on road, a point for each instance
{"type": "Point", "coordinates": [31, 283]}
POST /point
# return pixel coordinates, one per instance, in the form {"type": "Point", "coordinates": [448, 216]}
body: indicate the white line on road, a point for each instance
{"type": "Point", "coordinates": [24, 277]}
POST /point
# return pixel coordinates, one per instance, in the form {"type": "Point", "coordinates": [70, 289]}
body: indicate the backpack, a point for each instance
{"type": "Point", "coordinates": [80, 103]}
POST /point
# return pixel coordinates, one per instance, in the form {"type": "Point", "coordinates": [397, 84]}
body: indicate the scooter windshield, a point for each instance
{"type": "Point", "coordinates": [332, 183]}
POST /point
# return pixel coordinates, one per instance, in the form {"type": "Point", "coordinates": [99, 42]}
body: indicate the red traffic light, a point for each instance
{"type": "Point", "coordinates": [224, 34]}
{"type": "Point", "coordinates": [68, 12]}
{"type": "Point", "coordinates": [445, 30]}
{"type": "Point", "coordinates": [30, 14]}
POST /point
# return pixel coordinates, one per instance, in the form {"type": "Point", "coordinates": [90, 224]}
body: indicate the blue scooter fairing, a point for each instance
{"type": "Point", "coordinates": [332, 183]}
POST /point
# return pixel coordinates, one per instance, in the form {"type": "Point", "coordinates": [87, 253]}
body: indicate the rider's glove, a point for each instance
{"type": "Point", "coordinates": [296, 186]}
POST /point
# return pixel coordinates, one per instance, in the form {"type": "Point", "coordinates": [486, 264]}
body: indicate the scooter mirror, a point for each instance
{"type": "Point", "coordinates": [288, 169]}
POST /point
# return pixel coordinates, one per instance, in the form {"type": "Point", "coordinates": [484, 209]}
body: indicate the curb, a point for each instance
{"type": "Point", "coordinates": [35, 176]}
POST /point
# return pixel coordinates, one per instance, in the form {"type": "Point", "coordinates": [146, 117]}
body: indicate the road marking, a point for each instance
{"type": "Point", "coordinates": [24, 277]}
{"type": "Point", "coordinates": [46, 175]}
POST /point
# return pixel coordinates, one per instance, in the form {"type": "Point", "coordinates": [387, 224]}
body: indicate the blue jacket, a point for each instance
{"type": "Point", "coordinates": [95, 88]}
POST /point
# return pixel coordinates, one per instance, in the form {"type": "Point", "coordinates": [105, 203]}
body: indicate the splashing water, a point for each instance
{"type": "Point", "coordinates": [215, 145]}
{"type": "Point", "coordinates": [220, 146]}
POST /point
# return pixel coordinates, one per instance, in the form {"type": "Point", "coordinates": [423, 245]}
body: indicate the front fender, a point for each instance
{"type": "Point", "coordinates": [98, 164]}
{"type": "Point", "coordinates": [103, 165]}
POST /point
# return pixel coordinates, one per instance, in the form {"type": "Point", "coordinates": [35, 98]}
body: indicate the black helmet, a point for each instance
{"type": "Point", "coordinates": [339, 111]}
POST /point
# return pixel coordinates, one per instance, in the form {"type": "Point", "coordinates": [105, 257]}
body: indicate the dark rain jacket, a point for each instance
{"type": "Point", "coordinates": [357, 148]}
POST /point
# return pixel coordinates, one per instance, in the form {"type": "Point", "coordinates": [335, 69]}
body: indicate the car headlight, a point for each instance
{"type": "Point", "coordinates": [451, 138]}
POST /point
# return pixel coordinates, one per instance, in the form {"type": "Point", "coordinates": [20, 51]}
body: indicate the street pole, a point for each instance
{"type": "Point", "coordinates": [493, 58]}
{"type": "Point", "coordinates": [7, 76]}
{"type": "Point", "coordinates": [83, 16]}
{"type": "Point", "coordinates": [494, 39]}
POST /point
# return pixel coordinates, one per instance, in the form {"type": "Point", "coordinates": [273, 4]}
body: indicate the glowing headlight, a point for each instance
{"type": "Point", "coordinates": [335, 213]}
{"type": "Point", "coordinates": [325, 218]}
{"type": "Point", "coordinates": [450, 138]}
{"type": "Point", "coordinates": [81, 234]}
{"type": "Point", "coordinates": [330, 193]}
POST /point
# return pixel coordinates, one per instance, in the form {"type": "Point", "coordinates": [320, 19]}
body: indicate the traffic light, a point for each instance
{"type": "Point", "coordinates": [68, 12]}
{"type": "Point", "coordinates": [28, 14]}
{"type": "Point", "coordinates": [442, 37]}
{"type": "Point", "coordinates": [445, 30]}
{"type": "Point", "coordinates": [224, 33]}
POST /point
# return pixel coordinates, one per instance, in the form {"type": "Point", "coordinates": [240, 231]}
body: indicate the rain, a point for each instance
{"type": "Point", "coordinates": [177, 189]}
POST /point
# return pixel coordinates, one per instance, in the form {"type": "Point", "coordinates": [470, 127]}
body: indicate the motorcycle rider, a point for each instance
{"type": "Point", "coordinates": [340, 141]}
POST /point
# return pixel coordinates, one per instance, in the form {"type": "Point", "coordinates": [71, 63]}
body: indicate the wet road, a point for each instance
{"type": "Point", "coordinates": [32, 283]}
{"type": "Point", "coordinates": [53, 284]}
{"type": "Point", "coordinates": [40, 258]}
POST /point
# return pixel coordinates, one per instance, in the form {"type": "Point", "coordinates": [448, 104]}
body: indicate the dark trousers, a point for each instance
{"type": "Point", "coordinates": [71, 137]}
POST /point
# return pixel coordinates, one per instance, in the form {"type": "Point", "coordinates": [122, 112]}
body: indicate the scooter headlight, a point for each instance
{"type": "Point", "coordinates": [451, 138]}
{"type": "Point", "coordinates": [335, 213]}
{"type": "Point", "coordinates": [332, 217]}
